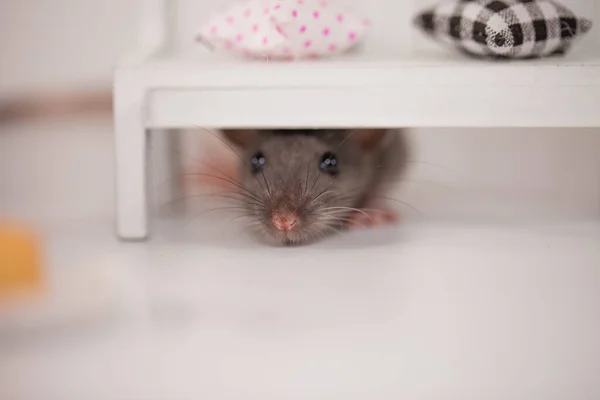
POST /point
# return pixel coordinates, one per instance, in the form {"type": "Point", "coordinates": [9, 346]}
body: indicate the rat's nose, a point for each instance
{"type": "Point", "coordinates": [284, 221]}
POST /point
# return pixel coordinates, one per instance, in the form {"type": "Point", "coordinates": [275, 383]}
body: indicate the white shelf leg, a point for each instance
{"type": "Point", "coordinates": [131, 161]}
{"type": "Point", "coordinates": [165, 169]}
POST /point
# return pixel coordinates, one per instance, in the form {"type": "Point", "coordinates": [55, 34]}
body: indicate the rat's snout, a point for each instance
{"type": "Point", "coordinates": [284, 221]}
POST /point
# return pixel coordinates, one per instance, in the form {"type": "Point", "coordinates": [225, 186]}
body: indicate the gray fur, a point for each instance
{"type": "Point", "coordinates": [292, 181]}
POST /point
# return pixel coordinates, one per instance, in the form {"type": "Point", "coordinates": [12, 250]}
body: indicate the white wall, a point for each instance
{"type": "Point", "coordinates": [46, 44]}
{"type": "Point", "coordinates": [504, 174]}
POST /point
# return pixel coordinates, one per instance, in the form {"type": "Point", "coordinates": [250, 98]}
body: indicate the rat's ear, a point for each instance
{"type": "Point", "coordinates": [240, 137]}
{"type": "Point", "coordinates": [369, 139]}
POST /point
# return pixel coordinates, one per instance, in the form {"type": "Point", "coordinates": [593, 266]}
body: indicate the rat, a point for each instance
{"type": "Point", "coordinates": [299, 185]}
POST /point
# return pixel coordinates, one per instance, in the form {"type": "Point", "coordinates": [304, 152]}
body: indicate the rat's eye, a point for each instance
{"type": "Point", "coordinates": [329, 164]}
{"type": "Point", "coordinates": [258, 162]}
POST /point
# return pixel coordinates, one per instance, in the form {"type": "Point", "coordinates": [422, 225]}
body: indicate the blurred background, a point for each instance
{"type": "Point", "coordinates": [56, 67]}
{"type": "Point", "coordinates": [57, 177]}
{"type": "Point", "coordinates": [64, 45]}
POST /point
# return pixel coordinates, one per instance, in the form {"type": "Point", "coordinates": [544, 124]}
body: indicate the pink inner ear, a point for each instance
{"type": "Point", "coordinates": [369, 139]}
{"type": "Point", "coordinates": [220, 162]}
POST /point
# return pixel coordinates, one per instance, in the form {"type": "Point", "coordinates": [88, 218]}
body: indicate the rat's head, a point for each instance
{"type": "Point", "coordinates": [299, 185]}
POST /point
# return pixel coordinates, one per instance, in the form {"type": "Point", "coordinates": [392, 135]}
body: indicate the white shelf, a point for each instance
{"type": "Point", "coordinates": [376, 89]}
{"type": "Point", "coordinates": [373, 69]}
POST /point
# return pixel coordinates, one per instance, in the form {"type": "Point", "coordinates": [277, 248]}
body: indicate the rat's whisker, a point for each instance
{"type": "Point", "coordinates": [324, 227]}
{"type": "Point", "coordinates": [349, 209]}
{"type": "Point", "coordinates": [402, 202]}
{"type": "Point", "coordinates": [348, 136]}
{"type": "Point", "coordinates": [266, 184]}
{"type": "Point", "coordinates": [329, 218]}
{"type": "Point", "coordinates": [348, 221]}
{"type": "Point", "coordinates": [204, 163]}
{"type": "Point", "coordinates": [252, 224]}
{"type": "Point", "coordinates": [335, 213]}
{"type": "Point", "coordinates": [192, 174]}
{"type": "Point", "coordinates": [236, 218]}
{"type": "Point", "coordinates": [335, 228]}
{"type": "Point", "coordinates": [224, 175]}
{"type": "Point", "coordinates": [375, 210]}
{"type": "Point", "coordinates": [244, 201]}
{"type": "Point", "coordinates": [232, 182]}
{"type": "Point", "coordinates": [191, 197]}
{"type": "Point", "coordinates": [251, 199]}
{"type": "Point", "coordinates": [440, 166]}
{"type": "Point", "coordinates": [312, 236]}
{"type": "Point", "coordinates": [219, 138]}
{"type": "Point", "coordinates": [226, 144]}
{"type": "Point", "coordinates": [306, 182]}
{"type": "Point", "coordinates": [323, 192]}
{"type": "Point", "coordinates": [213, 210]}
{"type": "Point", "coordinates": [313, 233]}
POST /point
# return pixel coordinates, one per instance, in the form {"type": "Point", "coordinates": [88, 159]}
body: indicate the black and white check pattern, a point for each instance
{"type": "Point", "coordinates": [504, 28]}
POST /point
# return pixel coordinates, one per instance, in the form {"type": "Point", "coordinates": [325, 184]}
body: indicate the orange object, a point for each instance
{"type": "Point", "coordinates": [20, 266]}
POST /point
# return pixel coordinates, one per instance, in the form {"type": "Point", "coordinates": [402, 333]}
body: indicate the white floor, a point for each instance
{"type": "Point", "coordinates": [422, 311]}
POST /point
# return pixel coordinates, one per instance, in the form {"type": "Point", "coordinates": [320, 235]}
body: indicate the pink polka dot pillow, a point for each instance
{"type": "Point", "coordinates": [285, 29]}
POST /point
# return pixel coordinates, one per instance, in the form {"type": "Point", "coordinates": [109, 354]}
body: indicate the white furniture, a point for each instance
{"type": "Point", "coordinates": [397, 79]}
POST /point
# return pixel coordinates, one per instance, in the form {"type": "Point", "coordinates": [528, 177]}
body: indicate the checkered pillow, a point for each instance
{"type": "Point", "coordinates": [504, 28]}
